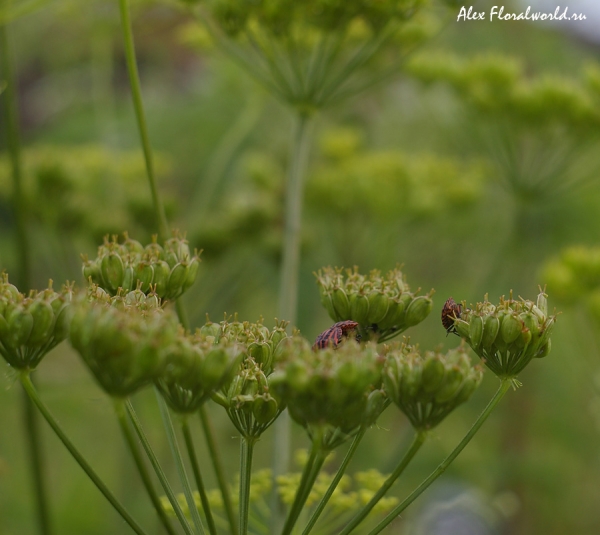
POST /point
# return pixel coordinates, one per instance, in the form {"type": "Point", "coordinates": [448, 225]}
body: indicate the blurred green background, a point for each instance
{"type": "Point", "coordinates": [474, 168]}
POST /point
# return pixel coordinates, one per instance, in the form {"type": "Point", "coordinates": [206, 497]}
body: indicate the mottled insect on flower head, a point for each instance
{"type": "Point", "coordinates": [450, 312]}
{"type": "Point", "coordinates": [333, 336]}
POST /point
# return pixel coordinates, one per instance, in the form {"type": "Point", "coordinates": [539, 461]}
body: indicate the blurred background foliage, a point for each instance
{"type": "Point", "coordinates": [476, 167]}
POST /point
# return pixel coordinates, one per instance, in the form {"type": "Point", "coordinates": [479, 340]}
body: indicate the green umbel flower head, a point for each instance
{"type": "Point", "coordinates": [382, 306]}
{"type": "Point", "coordinates": [428, 387]}
{"type": "Point", "coordinates": [331, 392]}
{"type": "Point", "coordinates": [249, 400]}
{"type": "Point", "coordinates": [167, 270]}
{"type": "Point", "coordinates": [195, 367]}
{"type": "Point", "coordinates": [32, 325]}
{"type": "Point", "coordinates": [124, 340]}
{"type": "Point", "coordinates": [508, 335]}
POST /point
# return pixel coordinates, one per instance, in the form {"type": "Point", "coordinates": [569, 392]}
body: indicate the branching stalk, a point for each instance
{"type": "Point", "coordinates": [33, 395]}
{"type": "Point", "coordinates": [502, 389]}
{"type": "Point", "coordinates": [418, 441]}
{"type": "Point", "coordinates": [139, 462]}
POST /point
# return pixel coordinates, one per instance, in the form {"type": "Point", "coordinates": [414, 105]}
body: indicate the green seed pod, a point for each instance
{"type": "Point", "coordinates": [264, 409]}
{"type": "Point", "coordinates": [128, 278]}
{"type": "Point", "coordinates": [192, 273]}
{"type": "Point", "coordinates": [378, 307]}
{"type": "Point", "coordinates": [434, 372]}
{"type": "Point", "coordinates": [341, 304]}
{"type": "Point", "coordinates": [452, 384]}
{"type": "Point", "coordinates": [214, 369]}
{"type": "Point", "coordinates": [544, 350]}
{"type": "Point", "coordinates": [62, 323]}
{"type": "Point", "coordinates": [377, 401]}
{"type": "Point", "coordinates": [91, 270]}
{"type": "Point", "coordinates": [395, 314]}
{"type": "Point", "coordinates": [144, 273]}
{"type": "Point", "coordinates": [4, 329]}
{"type": "Point", "coordinates": [113, 271]}
{"type": "Point", "coordinates": [262, 354]}
{"type": "Point", "coordinates": [154, 250]}
{"type": "Point", "coordinates": [462, 328]}
{"type": "Point", "coordinates": [211, 329]}
{"type": "Point", "coordinates": [43, 323]}
{"type": "Point", "coordinates": [20, 325]}
{"type": "Point", "coordinates": [475, 331]}
{"type": "Point", "coordinates": [133, 246]}
{"type": "Point", "coordinates": [161, 277]}
{"type": "Point", "coordinates": [511, 328]}
{"type": "Point", "coordinates": [412, 378]}
{"type": "Point", "coordinates": [542, 303]}
{"type": "Point", "coordinates": [176, 281]}
{"type": "Point", "coordinates": [418, 310]}
{"type": "Point", "coordinates": [359, 308]}
{"type": "Point", "coordinates": [491, 328]}
{"type": "Point", "coordinates": [327, 303]}
{"type": "Point", "coordinates": [390, 383]}
{"type": "Point", "coordinates": [469, 386]}
{"type": "Point", "coordinates": [524, 339]}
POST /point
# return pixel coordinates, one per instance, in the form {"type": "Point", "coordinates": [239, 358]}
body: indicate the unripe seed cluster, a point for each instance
{"type": "Point", "coordinates": [383, 306]}
{"type": "Point", "coordinates": [167, 270]}
{"type": "Point", "coordinates": [427, 387]}
{"type": "Point", "coordinates": [31, 325]}
{"type": "Point", "coordinates": [508, 335]}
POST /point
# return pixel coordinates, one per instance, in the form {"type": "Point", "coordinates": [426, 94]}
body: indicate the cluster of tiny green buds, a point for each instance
{"type": "Point", "coordinates": [167, 270]}
{"type": "Point", "coordinates": [261, 343]}
{"type": "Point", "coordinates": [508, 335]}
{"type": "Point", "coordinates": [32, 325]}
{"type": "Point", "coordinates": [331, 392]}
{"type": "Point", "coordinates": [249, 400]}
{"type": "Point", "coordinates": [382, 306]}
{"type": "Point", "coordinates": [123, 339]}
{"type": "Point", "coordinates": [428, 387]}
{"type": "Point", "coordinates": [195, 367]}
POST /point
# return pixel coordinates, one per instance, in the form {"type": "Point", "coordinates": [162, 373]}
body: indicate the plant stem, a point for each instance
{"type": "Point", "coordinates": [417, 442]}
{"type": "Point", "coordinates": [246, 451]}
{"type": "Point", "coordinates": [172, 439]}
{"type": "Point", "coordinates": [33, 395]}
{"type": "Point", "coordinates": [136, 93]}
{"type": "Point", "coordinates": [157, 468]}
{"type": "Point", "coordinates": [189, 443]}
{"type": "Point", "coordinates": [288, 290]}
{"type": "Point", "coordinates": [338, 476]}
{"type": "Point", "coordinates": [309, 475]}
{"type": "Point", "coordinates": [23, 275]}
{"type": "Point", "coordinates": [139, 462]}
{"type": "Point", "coordinates": [502, 389]}
{"type": "Point", "coordinates": [218, 467]}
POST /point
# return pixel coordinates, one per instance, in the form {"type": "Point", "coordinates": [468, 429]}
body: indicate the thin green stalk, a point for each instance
{"type": "Point", "coordinates": [288, 290]}
{"type": "Point", "coordinates": [502, 389]}
{"type": "Point", "coordinates": [157, 468]}
{"type": "Point", "coordinates": [418, 441]}
{"type": "Point", "coordinates": [172, 439]}
{"type": "Point", "coordinates": [246, 451]}
{"type": "Point", "coordinates": [33, 395]}
{"type": "Point", "coordinates": [136, 93]}
{"type": "Point", "coordinates": [338, 476]}
{"type": "Point", "coordinates": [23, 272]}
{"type": "Point", "coordinates": [139, 462]}
{"type": "Point", "coordinates": [217, 464]}
{"type": "Point", "coordinates": [309, 476]}
{"type": "Point", "coordinates": [189, 444]}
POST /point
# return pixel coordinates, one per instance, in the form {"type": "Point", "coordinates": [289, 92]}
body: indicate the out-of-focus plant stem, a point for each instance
{"type": "Point", "coordinates": [288, 289]}
{"type": "Point", "coordinates": [23, 275]}
{"type": "Point", "coordinates": [502, 390]}
{"type": "Point", "coordinates": [136, 94]}
{"type": "Point", "coordinates": [157, 468]}
{"type": "Point", "coordinates": [189, 444]}
{"type": "Point", "coordinates": [246, 451]}
{"type": "Point", "coordinates": [333, 485]}
{"type": "Point", "coordinates": [33, 395]}
{"type": "Point", "coordinates": [139, 462]}
{"type": "Point", "coordinates": [218, 468]}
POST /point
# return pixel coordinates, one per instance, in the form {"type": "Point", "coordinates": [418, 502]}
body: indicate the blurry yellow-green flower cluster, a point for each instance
{"type": "Point", "coordinates": [498, 85]}
{"type": "Point", "coordinates": [383, 306]}
{"type": "Point", "coordinates": [427, 387]}
{"type": "Point", "coordinates": [167, 270]}
{"type": "Point", "coordinates": [31, 325]}
{"type": "Point", "coordinates": [508, 335]}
